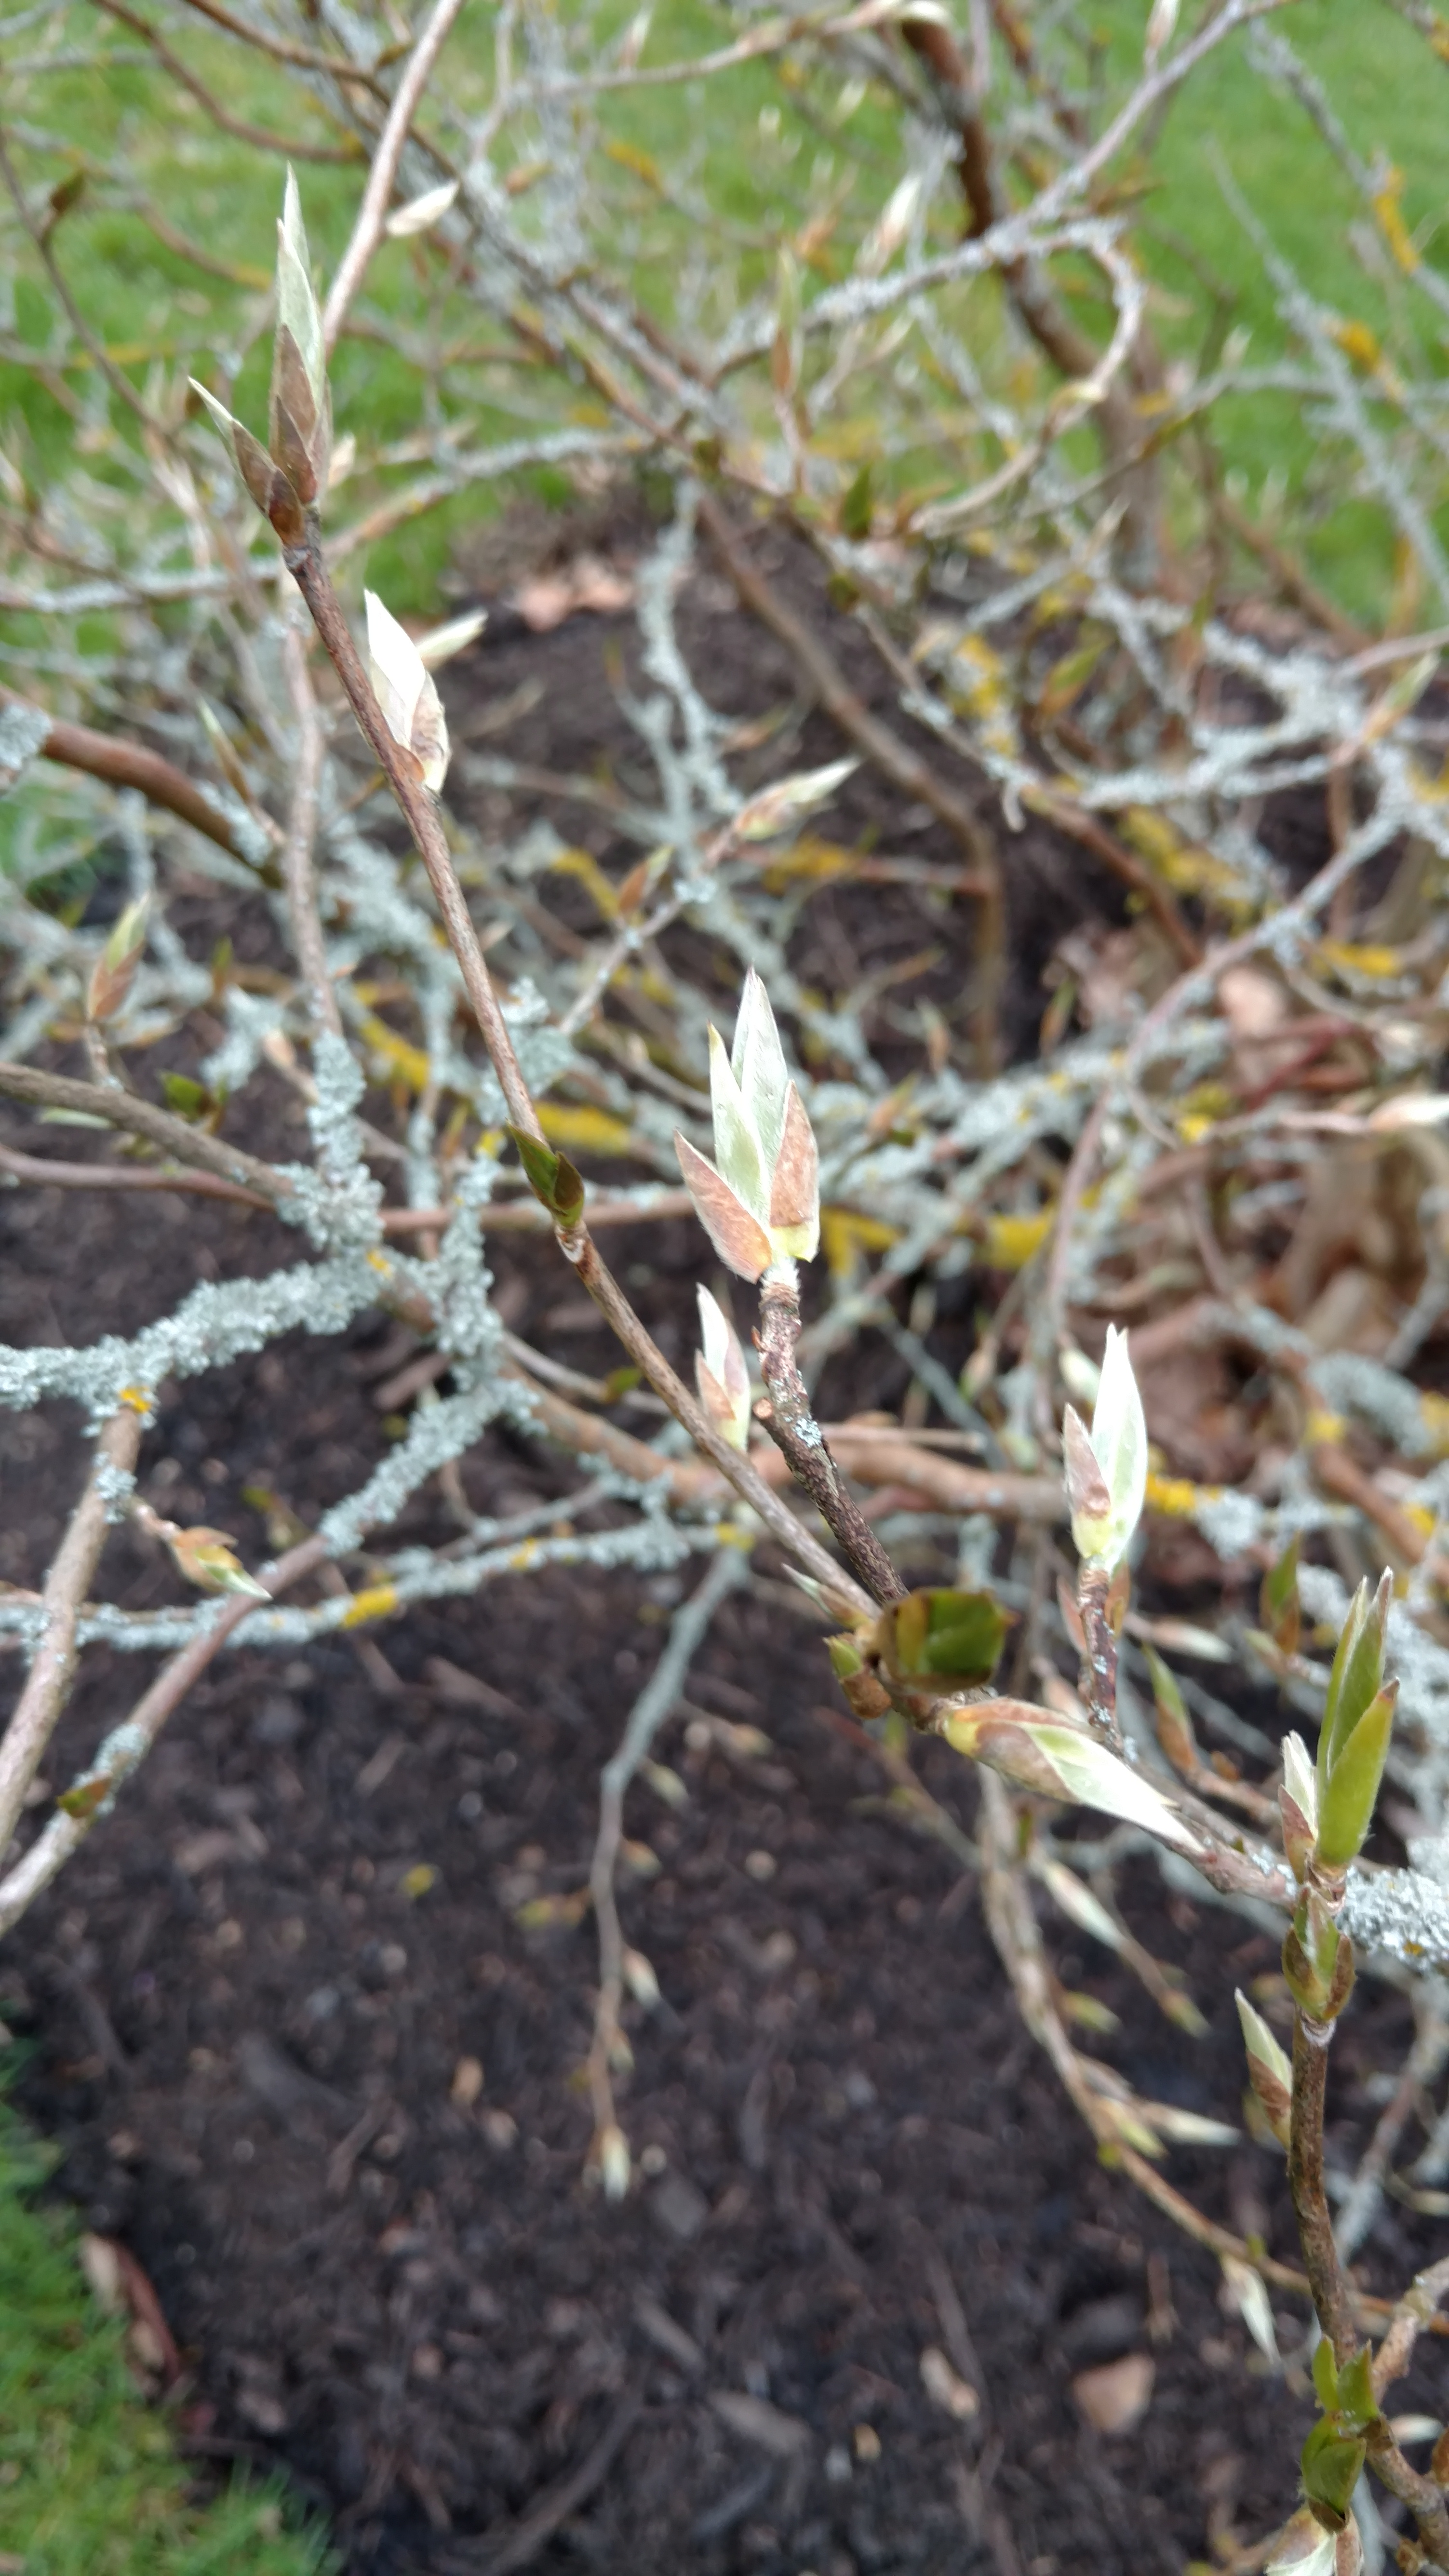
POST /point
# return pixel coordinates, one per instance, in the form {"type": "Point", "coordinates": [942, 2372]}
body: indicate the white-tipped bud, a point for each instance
{"type": "Point", "coordinates": [790, 801]}
{"type": "Point", "coordinates": [299, 419]}
{"type": "Point", "coordinates": [1300, 1779]}
{"type": "Point", "coordinates": [722, 1373]}
{"type": "Point", "coordinates": [1106, 1469]}
{"type": "Point", "coordinates": [615, 2164]}
{"type": "Point", "coordinates": [297, 309]}
{"type": "Point", "coordinates": [1304, 2548]}
{"type": "Point", "coordinates": [421, 213]}
{"type": "Point", "coordinates": [406, 693]}
{"type": "Point", "coordinates": [640, 1979]}
{"type": "Point", "coordinates": [759, 1201]}
{"type": "Point", "coordinates": [886, 236]}
{"type": "Point", "coordinates": [1160, 27]}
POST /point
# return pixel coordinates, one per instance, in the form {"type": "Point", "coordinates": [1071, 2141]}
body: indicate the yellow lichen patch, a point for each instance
{"type": "Point", "coordinates": [403, 1061]}
{"type": "Point", "coordinates": [845, 1234]}
{"type": "Point", "coordinates": [1435, 1412]}
{"type": "Point", "coordinates": [136, 1399]}
{"type": "Point", "coordinates": [1388, 207]}
{"type": "Point", "coordinates": [585, 1130]}
{"type": "Point", "coordinates": [1350, 958]}
{"type": "Point", "coordinates": [583, 865]}
{"type": "Point", "coordinates": [816, 859]}
{"type": "Point", "coordinates": [1010, 1241]}
{"type": "Point", "coordinates": [1200, 1109]}
{"type": "Point", "coordinates": [1176, 1498]}
{"type": "Point", "coordinates": [1357, 342]}
{"type": "Point", "coordinates": [1324, 1429]}
{"type": "Point", "coordinates": [417, 1881]}
{"type": "Point", "coordinates": [1181, 864]}
{"type": "Point", "coordinates": [374, 1603]}
{"type": "Point", "coordinates": [978, 684]}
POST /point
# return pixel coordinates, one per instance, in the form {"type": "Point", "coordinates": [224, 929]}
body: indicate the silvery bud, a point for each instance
{"type": "Point", "coordinates": [722, 1374]}
{"type": "Point", "coordinates": [1106, 1468]}
{"type": "Point", "coordinates": [759, 1201]}
{"type": "Point", "coordinates": [407, 693]}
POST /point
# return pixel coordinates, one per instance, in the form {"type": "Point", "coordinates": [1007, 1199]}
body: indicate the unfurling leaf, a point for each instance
{"type": "Point", "coordinates": [738, 1236]}
{"type": "Point", "coordinates": [1329, 2466]}
{"type": "Point", "coordinates": [207, 1559]}
{"type": "Point", "coordinates": [1358, 1672]}
{"type": "Point", "coordinates": [407, 693]}
{"type": "Point", "coordinates": [1346, 1810]}
{"type": "Point", "coordinates": [1060, 1760]}
{"type": "Point", "coordinates": [951, 1638]}
{"type": "Point", "coordinates": [1106, 1507]}
{"type": "Point", "coordinates": [759, 1201]}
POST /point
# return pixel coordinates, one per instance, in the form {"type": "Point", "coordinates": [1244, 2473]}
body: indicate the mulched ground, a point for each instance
{"type": "Point", "coordinates": [251, 2042]}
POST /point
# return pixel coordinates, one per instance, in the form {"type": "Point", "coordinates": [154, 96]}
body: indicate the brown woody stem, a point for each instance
{"type": "Point", "coordinates": [791, 1424]}
{"type": "Point", "coordinates": [1331, 2294]}
{"type": "Point", "coordinates": [1099, 1662]}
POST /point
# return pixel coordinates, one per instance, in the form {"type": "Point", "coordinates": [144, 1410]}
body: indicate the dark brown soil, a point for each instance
{"type": "Point", "coordinates": [246, 2035]}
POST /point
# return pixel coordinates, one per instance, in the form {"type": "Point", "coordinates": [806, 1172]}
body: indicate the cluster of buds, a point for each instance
{"type": "Point", "coordinates": [288, 477]}
{"type": "Point", "coordinates": [1327, 1806]}
{"type": "Point", "coordinates": [1106, 1467]}
{"type": "Point", "coordinates": [759, 1201]}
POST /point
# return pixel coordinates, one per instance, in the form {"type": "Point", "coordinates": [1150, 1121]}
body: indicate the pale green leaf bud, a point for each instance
{"type": "Point", "coordinates": [722, 1373]}
{"type": "Point", "coordinates": [759, 1201]}
{"type": "Point", "coordinates": [614, 2161]}
{"type": "Point", "coordinates": [406, 693]}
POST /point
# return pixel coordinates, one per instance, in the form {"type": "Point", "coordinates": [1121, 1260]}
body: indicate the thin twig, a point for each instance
{"type": "Point", "coordinates": [132, 1741]}
{"type": "Point", "coordinates": [1331, 2295]}
{"type": "Point", "coordinates": [139, 1117]}
{"type": "Point", "coordinates": [130, 764]}
{"type": "Point", "coordinates": [791, 1424]}
{"type": "Point", "coordinates": [382, 177]}
{"type": "Point", "coordinates": [297, 869]}
{"type": "Point", "coordinates": [47, 1685]}
{"type": "Point", "coordinates": [886, 752]}
{"type": "Point", "coordinates": [687, 1632]}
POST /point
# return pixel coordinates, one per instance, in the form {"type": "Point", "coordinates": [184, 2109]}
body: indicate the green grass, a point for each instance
{"type": "Point", "coordinates": [762, 152]}
{"type": "Point", "coordinates": [1391, 95]}
{"type": "Point", "coordinates": [89, 2482]}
